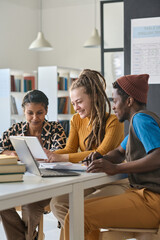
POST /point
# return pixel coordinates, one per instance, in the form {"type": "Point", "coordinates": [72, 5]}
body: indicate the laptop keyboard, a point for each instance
{"type": "Point", "coordinates": [57, 173]}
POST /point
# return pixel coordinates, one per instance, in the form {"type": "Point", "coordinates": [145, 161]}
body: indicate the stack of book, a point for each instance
{"type": "Point", "coordinates": [11, 170]}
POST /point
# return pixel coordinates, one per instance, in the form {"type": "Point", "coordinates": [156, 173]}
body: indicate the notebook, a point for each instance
{"type": "Point", "coordinates": [25, 155]}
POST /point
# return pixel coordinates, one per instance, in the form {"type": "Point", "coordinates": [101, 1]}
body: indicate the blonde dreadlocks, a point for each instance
{"type": "Point", "coordinates": [94, 85]}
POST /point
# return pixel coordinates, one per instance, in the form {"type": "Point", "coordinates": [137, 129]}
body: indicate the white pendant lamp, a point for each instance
{"type": "Point", "coordinates": [40, 43]}
{"type": "Point", "coordinates": [94, 40]}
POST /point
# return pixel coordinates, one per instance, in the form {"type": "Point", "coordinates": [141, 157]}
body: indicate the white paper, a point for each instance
{"type": "Point", "coordinates": [64, 166]}
{"type": "Point", "coordinates": [145, 47]}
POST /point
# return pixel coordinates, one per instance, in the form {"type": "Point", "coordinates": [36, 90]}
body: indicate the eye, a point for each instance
{"type": "Point", "coordinates": [30, 113]}
{"type": "Point", "coordinates": [39, 113]}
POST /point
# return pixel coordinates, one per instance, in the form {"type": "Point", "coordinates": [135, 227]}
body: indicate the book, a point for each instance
{"type": "Point", "coordinates": [29, 82]}
{"type": "Point", "coordinates": [13, 168]}
{"type": "Point", "coordinates": [61, 104]}
{"type": "Point", "coordinates": [13, 105]}
{"type": "Point", "coordinates": [64, 166]}
{"type": "Point", "coordinates": [11, 177]}
{"type": "Point", "coordinates": [6, 159]}
{"type": "Point", "coordinates": [17, 84]}
{"type": "Point", "coordinates": [13, 87]}
{"type": "Point", "coordinates": [65, 108]}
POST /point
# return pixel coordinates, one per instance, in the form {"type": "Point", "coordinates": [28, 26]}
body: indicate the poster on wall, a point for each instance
{"type": "Point", "coordinates": [145, 47]}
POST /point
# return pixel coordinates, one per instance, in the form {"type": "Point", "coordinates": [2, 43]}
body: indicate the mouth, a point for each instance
{"type": "Point", "coordinates": [35, 123]}
{"type": "Point", "coordinates": [81, 112]}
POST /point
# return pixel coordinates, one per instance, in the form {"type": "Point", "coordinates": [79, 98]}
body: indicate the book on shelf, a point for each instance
{"type": "Point", "coordinates": [29, 83]}
{"type": "Point", "coordinates": [13, 105]}
{"type": "Point", "coordinates": [13, 87]}
{"type": "Point", "coordinates": [62, 83]}
{"type": "Point", "coordinates": [11, 177]}
{"type": "Point", "coordinates": [65, 108]}
{"type": "Point", "coordinates": [61, 104]}
{"type": "Point", "coordinates": [17, 84]}
{"type": "Point", "coordinates": [13, 168]}
{"type": "Point", "coordinates": [8, 159]}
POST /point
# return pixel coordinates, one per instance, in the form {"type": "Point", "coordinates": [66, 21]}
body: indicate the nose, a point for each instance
{"type": "Point", "coordinates": [76, 107]}
{"type": "Point", "coordinates": [34, 116]}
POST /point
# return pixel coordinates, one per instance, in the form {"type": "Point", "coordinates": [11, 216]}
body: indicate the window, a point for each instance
{"type": "Point", "coordinates": [112, 41]}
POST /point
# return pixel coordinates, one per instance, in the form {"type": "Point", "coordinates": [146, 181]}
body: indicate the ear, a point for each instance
{"type": "Point", "coordinates": [130, 101]}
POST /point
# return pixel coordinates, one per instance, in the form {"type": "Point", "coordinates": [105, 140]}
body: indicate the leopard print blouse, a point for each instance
{"type": "Point", "coordinates": [53, 135]}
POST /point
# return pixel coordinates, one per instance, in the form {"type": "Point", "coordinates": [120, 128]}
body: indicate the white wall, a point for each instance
{"type": "Point", "coordinates": [18, 23]}
{"type": "Point", "coordinates": [66, 27]}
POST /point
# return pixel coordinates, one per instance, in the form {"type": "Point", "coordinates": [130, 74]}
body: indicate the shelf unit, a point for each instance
{"type": "Point", "coordinates": [49, 77]}
{"type": "Point", "coordinates": [13, 88]}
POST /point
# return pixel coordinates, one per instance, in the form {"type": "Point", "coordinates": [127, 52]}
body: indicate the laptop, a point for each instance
{"type": "Point", "coordinates": [32, 165]}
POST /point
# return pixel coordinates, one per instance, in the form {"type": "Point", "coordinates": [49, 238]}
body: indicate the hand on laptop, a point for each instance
{"type": "Point", "coordinates": [53, 157]}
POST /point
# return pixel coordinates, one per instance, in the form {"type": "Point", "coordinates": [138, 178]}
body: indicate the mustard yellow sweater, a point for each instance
{"type": "Point", "coordinates": [79, 130]}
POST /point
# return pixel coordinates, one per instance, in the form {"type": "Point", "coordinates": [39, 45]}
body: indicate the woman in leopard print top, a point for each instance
{"type": "Point", "coordinates": [52, 136]}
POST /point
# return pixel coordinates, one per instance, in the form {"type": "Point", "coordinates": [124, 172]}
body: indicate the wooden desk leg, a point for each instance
{"type": "Point", "coordinates": [40, 229]}
{"type": "Point", "coordinates": [76, 208]}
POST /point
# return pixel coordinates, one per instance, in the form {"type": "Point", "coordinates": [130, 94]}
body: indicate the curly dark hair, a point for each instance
{"type": "Point", "coordinates": [35, 96]}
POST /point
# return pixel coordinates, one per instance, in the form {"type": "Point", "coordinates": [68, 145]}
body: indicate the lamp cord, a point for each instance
{"type": "Point", "coordinates": [95, 14]}
{"type": "Point", "coordinates": [41, 15]}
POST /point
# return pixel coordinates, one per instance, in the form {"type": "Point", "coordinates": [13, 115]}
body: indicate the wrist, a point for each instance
{"type": "Point", "coordinates": [64, 157]}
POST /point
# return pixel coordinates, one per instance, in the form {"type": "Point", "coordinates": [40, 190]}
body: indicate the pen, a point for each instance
{"type": "Point", "coordinates": [88, 161]}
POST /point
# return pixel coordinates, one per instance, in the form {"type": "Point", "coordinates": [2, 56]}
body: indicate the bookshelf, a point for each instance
{"type": "Point", "coordinates": [14, 84]}
{"type": "Point", "coordinates": [55, 81]}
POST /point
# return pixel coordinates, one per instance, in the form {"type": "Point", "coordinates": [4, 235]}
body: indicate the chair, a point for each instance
{"type": "Point", "coordinates": [127, 233]}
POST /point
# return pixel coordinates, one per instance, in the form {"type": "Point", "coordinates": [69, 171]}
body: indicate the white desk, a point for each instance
{"type": "Point", "coordinates": [35, 188]}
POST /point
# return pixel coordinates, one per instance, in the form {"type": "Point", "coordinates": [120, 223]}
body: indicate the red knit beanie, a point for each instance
{"type": "Point", "coordinates": [135, 86]}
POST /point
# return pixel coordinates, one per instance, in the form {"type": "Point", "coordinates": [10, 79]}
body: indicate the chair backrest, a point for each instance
{"type": "Point", "coordinates": [126, 233]}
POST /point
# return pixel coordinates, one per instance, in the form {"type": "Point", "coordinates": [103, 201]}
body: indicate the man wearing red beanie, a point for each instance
{"type": "Point", "coordinates": [139, 206]}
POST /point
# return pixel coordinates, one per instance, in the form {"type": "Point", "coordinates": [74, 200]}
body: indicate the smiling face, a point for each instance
{"type": "Point", "coordinates": [35, 115]}
{"type": "Point", "coordinates": [120, 107]}
{"type": "Point", "coordinates": [81, 102]}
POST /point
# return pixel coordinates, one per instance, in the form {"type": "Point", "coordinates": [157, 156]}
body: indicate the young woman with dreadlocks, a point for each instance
{"type": "Point", "coordinates": [91, 129]}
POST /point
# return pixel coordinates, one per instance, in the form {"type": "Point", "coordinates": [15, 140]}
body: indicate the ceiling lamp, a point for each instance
{"type": "Point", "coordinates": [40, 43]}
{"type": "Point", "coordinates": [94, 40]}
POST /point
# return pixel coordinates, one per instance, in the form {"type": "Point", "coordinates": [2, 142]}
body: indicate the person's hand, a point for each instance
{"type": "Point", "coordinates": [53, 157]}
{"type": "Point", "coordinates": [10, 153]}
{"type": "Point", "coordinates": [102, 165]}
{"type": "Point", "coordinates": [48, 152]}
{"type": "Point", "coordinates": [91, 157]}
